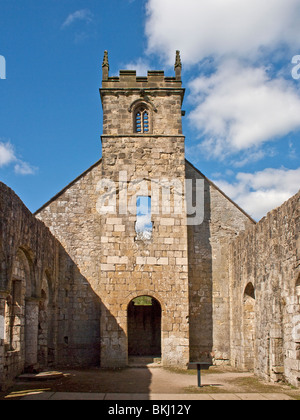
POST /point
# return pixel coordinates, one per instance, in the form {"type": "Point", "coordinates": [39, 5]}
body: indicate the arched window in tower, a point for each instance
{"type": "Point", "coordinates": [142, 120]}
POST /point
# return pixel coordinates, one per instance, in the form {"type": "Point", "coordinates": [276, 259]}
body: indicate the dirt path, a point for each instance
{"type": "Point", "coordinates": [153, 381]}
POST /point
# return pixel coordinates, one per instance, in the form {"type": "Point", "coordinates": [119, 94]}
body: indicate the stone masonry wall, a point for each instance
{"type": "Point", "coordinates": [267, 257]}
{"type": "Point", "coordinates": [73, 219]}
{"type": "Point", "coordinates": [194, 296]}
{"type": "Point", "coordinates": [208, 272]}
{"type": "Point", "coordinates": [43, 297]}
{"type": "Point", "coordinates": [157, 267]}
{"type": "Point", "coordinates": [131, 267]}
{"type": "Point", "coordinates": [164, 108]}
{"type": "Point", "coordinates": [27, 250]}
{"type": "Point", "coordinates": [138, 266]}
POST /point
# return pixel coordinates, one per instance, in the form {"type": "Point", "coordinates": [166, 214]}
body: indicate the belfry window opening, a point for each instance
{"type": "Point", "coordinates": [142, 123]}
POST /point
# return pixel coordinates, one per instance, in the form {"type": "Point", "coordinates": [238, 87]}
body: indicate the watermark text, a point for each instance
{"type": "Point", "coordinates": [169, 197]}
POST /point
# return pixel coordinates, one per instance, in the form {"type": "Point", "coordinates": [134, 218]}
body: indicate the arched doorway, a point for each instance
{"type": "Point", "coordinates": [46, 324]}
{"type": "Point", "coordinates": [15, 305]}
{"type": "Point", "coordinates": [298, 289]}
{"type": "Point", "coordinates": [296, 320]}
{"type": "Point", "coordinates": [144, 327]}
{"type": "Point", "coordinates": [249, 326]}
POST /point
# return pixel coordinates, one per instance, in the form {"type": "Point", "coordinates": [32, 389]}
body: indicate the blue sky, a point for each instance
{"type": "Point", "coordinates": [242, 122]}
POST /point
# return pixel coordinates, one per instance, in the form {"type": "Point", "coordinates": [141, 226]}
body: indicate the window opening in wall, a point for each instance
{"type": "Point", "coordinates": [144, 225]}
{"type": "Point", "coordinates": [142, 123]}
{"type": "Point", "coordinates": [249, 291]}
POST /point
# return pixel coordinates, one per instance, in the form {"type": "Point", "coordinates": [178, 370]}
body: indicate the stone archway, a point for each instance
{"type": "Point", "coordinates": [46, 328]}
{"type": "Point", "coordinates": [296, 320]}
{"type": "Point", "coordinates": [144, 327]}
{"type": "Point", "coordinates": [16, 304]}
{"type": "Point", "coordinates": [249, 326]}
{"type": "Point", "coordinates": [298, 290]}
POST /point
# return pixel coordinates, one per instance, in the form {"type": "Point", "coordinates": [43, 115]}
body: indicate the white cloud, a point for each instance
{"type": "Point", "coordinates": [292, 154]}
{"type": "Point", "coordinates": [24, 168]}
{"type": "Point", "coordinates": [7, 154]}
{"type": "Point", "coordinates": [239, 108]}
{"type": "Point", "coordinates": [83, 15]}
{"type": "Point", "coordinates": [202, 28]}
{"type": "Point", "coordinates": [143, 223]}
{"type": "Point", "coordinates": [260, 192]}
{"type": "Point", "coordinates": [140, 65]}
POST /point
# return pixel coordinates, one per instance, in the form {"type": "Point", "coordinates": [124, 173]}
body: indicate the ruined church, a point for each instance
{"type": "Point", "coordinates": [142, 255]}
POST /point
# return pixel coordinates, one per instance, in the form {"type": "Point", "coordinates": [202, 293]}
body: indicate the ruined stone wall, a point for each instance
{"type": "Point", "coordinates": [19, 229]}
{"type": "Point", "coordinates": [119, 266]}
{"type": "Point", "coordinates": [36, 311]}
{"type": "Point", "coordinates": [78, 336]}
{"type": "Point", "coordinates": [27, 250]}
{"type": "Point", "coordinates": [147, 268]}
{"type": "Point", "coordinates": [267, 258]}
{"type": "Point", "coordinates": [208, 272]}
{"type": "Point", "coordinates": [73, 219]}
{"type": "Point", "coordinates": [157, 267]}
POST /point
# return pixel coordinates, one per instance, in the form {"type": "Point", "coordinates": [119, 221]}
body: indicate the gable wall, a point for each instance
{"type": "Point", "coordinates": [208, 272]}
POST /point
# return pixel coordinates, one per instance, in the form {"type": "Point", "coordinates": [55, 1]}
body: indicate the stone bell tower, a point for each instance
{"type": "Point", "coordinates": [143, 157]}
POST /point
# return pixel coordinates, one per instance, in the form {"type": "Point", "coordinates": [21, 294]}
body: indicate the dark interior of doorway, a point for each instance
{"type": "Point", "coordinates": [144, 327]}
